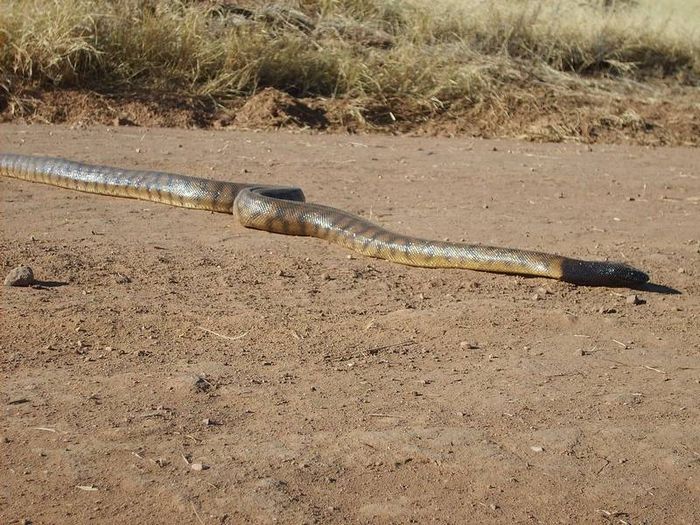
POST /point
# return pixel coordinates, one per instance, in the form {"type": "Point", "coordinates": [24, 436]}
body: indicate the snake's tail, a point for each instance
{"type": "Point", "coordinates": [257, 208]}
{"type": "Point", "coordinates": [154, 186]}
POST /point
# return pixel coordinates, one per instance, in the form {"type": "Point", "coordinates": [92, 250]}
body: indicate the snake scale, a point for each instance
{"type": "Point", "coordinates": [284, 210]}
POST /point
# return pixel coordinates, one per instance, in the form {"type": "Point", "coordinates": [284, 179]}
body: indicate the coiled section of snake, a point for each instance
{"type": "Point", "coordinates": [284, 210]}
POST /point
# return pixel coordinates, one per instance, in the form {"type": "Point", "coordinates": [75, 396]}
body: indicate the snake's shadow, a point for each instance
{"type": "Point", "coordinates": [657, 288]}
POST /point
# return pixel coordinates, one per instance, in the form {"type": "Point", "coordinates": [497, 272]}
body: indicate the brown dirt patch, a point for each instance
{"type": "Point", "coordinates": [271, 108]}
{"type": "Point", "coordinates": [314, 387]}
{"type": "Point", "coordinates": [659, 115]}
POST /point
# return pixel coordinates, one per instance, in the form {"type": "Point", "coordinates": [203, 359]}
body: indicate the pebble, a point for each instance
{"type": "Point", "coordinates": [634, 299]}
{"type": "Point", "coordinates": [200, 384]}
{"type": "Point", "coordinates": [468, 345]}
{"type": "Point", "coordinates": [537, 449]}
{"type": "Point", "coordinates": [20, 276]}
{"type": "Point", "coordinates": [199, 466]}
{"type": "Point", "coordinates": [122, 279]}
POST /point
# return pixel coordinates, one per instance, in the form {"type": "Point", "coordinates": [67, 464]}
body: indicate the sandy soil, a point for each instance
{"type": "Point", "coordinates": [317, 387]}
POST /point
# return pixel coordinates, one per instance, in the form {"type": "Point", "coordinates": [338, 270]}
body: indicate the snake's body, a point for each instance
{"type": "Point", "coordinates": [283, 210]}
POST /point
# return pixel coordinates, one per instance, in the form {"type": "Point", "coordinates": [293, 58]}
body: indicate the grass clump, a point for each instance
{"type": "Point", "coordinates": [426, 56]}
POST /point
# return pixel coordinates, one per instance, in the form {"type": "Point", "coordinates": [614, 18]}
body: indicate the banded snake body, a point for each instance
{"type": "Point", "coordinates": [284, 210]}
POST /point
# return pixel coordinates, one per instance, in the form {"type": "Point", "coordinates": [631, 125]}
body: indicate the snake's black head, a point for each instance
{"type": "Point", "coordinates": [601, 273]}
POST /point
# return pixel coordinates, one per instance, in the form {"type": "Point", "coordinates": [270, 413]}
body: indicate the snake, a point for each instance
{"type": "Point", "coordinates": [284, 210]}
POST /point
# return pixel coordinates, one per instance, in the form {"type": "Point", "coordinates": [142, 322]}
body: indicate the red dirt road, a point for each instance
{"type": "Point", "coordinates": [315, 387]}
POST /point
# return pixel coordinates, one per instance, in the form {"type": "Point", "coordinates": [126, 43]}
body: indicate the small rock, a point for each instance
{"type": "Point", "coordinates": [537, 449]}
{"type": "Point", "coordinates": [207, 422]}
{"type": "Point", "coordinates": [493, 506]}
{"type": "Point", "coordinates": [634, 299]}
{"type": "Point", "coordinates": [325, 277]}
{"type": "Point", "coordinates": [200, 384]}
{"type": "Point", "coordinates": [536, 297]}
{"type": "Point", "coordinates": [20, 276]}
{"type": "Point", "coordinates": [199, 466]}
{"type": "Point", "coordinates": [468, 345]}
{"type": "Point", "coordinates": [120, 278]}
{"type": "Point", "coordinates": [681, 270]}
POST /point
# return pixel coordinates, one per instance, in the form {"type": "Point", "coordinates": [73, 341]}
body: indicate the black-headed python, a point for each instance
{"type": "Point", "coordinates": [284, 210]}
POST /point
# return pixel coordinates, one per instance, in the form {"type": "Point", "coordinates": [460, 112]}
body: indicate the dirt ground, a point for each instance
{"type": "Point", "coordinates": [660, 115]}
{"type": "Point", "coordinates": [175, 367]}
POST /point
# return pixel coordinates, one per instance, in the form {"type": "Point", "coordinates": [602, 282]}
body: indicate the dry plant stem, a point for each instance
{"type": "Point", "coordinates": [422, 57]}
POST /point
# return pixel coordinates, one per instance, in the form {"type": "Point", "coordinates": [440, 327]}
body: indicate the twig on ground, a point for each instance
{"type": "Point", "coordinates": [196, 514]}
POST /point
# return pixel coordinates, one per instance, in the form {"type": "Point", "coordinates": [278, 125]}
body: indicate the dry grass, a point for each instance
{"type": "Point", "coordinates": [425, 55]}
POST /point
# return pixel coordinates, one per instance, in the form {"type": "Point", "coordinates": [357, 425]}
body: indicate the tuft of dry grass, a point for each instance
{"type": "Point", "coordinates": [425, 56]}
